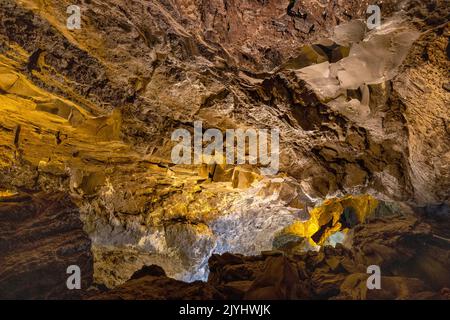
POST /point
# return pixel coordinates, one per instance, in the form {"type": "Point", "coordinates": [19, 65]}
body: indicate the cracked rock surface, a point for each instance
{"type": "Point", "coordinates": [88, 114]}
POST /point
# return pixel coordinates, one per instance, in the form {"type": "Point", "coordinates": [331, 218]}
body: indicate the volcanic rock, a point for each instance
{"type": "Point", "coordinates": [41, 235]}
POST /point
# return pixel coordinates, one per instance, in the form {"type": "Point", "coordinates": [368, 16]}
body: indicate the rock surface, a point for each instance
{"type": "Point", "coordinates": [89, 113]}
{"type": "Point", "coordinates": [41, 235]}
{"type": "Point", "coordinates": [414, 265]}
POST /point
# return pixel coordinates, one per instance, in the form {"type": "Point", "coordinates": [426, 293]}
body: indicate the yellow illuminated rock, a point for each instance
{"type": "Point", "coordinates": [326, 218]}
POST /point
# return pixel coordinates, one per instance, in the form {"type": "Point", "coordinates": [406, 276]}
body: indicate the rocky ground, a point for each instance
{"type": "Point", "coordinates": [414, 263]}
{"type": "Point", "coordinates": [86, 178]}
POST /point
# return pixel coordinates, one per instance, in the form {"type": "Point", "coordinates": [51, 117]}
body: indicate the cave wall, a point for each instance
{"type": "Point", "coordinates": [89, 114]}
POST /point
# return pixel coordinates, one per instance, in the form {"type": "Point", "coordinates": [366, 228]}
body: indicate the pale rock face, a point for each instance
{"type": "Point", "coordinates": [374, 58]}
{"type": "Point", "coordinates": [247, 225]}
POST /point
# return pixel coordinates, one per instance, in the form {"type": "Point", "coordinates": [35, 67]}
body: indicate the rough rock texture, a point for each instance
{"type": "Point", "coordinates": [414, 265]}
{"type": "Point", "coordinates": [41, 235]}
{"type": "Point", "coordinates": [151, 283]}
{"type": "Point", "coordinates": [90, 113]}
